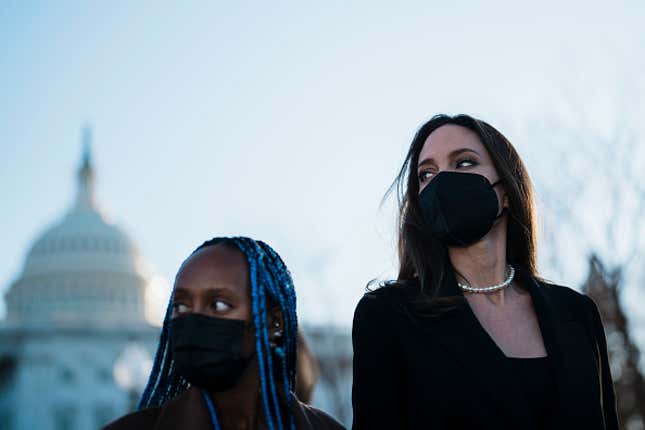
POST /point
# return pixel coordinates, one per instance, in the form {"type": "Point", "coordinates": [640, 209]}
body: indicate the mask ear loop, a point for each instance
{"type": "Point", "coordinates": [503, 208]}
{"type": "Point", "coordinates": [495, 184]}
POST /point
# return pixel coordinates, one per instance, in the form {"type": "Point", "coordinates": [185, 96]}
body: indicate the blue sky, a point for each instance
{"type": "Point", "coordinates": [285, 121]}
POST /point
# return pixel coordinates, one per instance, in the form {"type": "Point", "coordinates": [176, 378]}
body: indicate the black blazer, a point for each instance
{"type": "Point", "coordinates": [448, 373]}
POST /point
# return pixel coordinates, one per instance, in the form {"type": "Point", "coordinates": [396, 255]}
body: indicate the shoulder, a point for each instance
{"type": "Point", "coordinates": [307, 417]}
{"type": "Point", "coordinates": [383, 312]}
{"type": "Point", "coordinates": [377, 305]}
{"type": "Point", "coordinates": [561, 292]}
{"type": "Point", "coordinates": [389, 295]}
{"type": "Point", "coordinates": [568, 298]}
{"type": "Point", "coordinates": [140, 420]}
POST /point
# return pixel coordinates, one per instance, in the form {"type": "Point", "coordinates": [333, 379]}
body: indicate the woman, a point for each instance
{"type": "Point", "coordinates": [227, 354]}
{"type": "Point", "coordinates": [468, 336]}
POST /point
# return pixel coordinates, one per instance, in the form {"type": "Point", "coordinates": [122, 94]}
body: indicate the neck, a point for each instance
{"type": "Point", "coordinates": [483, 263]}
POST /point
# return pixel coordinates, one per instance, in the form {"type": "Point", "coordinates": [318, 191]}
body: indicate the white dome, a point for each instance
{"type": "Point", "coordinates": [82, 242]}
{"type": "Point", "coordinates": [81, 270]}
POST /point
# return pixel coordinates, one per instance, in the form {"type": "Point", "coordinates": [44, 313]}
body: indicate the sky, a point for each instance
{"type": "Point", "coordinates": [288, 121]}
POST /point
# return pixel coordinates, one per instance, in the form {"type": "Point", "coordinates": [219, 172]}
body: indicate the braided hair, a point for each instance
{"type": "Point", "coordinates": [271, 283]}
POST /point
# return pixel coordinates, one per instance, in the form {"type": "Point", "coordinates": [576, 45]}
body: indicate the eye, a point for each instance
{"type": "Point", "coordinates": [221, 306]}
{"type": "Point", "coordinates": [179, 308]}
{"type": "Point", "coordinates": [466, 162]}
{"type": "Point", "coordinates": [424, 176]}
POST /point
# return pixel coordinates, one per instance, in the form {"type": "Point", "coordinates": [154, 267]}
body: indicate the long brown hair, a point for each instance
{"type": "Point", "coordinates": [426, 258]}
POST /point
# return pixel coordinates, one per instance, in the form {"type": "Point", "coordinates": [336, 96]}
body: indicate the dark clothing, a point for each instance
{"type": "Point", "coordinates": [538, 387]}
{"type": "Point", "coordinates": [446, 372]}
{"type": "Point", "coordinates": [189, 412]}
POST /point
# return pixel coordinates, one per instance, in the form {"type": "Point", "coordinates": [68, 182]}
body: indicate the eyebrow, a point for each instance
{"type": "Point", "coordinates": [451, 155]}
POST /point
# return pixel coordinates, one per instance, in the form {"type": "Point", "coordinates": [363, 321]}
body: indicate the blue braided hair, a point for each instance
{"type": "Point", "coordinates": [271, 284]}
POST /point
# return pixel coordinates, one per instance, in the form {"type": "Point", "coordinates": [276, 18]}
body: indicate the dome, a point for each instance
{"type": "Point", "coordinates": [83, 241]}
{"type": "Point", "coordinates": [83, 269]}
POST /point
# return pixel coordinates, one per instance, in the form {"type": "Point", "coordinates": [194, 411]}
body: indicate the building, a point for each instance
{"type": "Point", "coordinates": [76, 349]}
{"type": "Point", "coordinates": [75, 344]}
{"type": "Point", "coordinates": [332, 347]}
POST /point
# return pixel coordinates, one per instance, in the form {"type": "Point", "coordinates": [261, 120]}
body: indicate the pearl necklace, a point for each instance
{"type": "Point", "coordinates": [511, 273]}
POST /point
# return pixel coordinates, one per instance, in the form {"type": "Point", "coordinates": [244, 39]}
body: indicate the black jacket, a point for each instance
{"type": "Point", "coordinates": [447, 372]}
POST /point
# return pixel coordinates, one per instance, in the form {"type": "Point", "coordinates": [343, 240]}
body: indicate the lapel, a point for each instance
{"type": "Point", "coordinates": [572, 359]}
{"type": "Point", "coordinates": [463, 337]}
{"type": "Point", "coordinates": [187, 412]}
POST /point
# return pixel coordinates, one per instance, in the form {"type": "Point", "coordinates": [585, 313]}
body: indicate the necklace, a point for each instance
{"type": "Point", "coordinates": [511, 273]}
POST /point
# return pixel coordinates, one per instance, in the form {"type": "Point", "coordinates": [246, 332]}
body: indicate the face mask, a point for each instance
{"type": "Point", "coordinates": [208, 351]}
{"type": "Point", "coordinates": [459, 208]}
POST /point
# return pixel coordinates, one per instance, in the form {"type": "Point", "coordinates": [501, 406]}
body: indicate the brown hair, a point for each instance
{"type": "Point", "coordinates": [424, 257]}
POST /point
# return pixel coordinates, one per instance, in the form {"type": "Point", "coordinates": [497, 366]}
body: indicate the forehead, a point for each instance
{"type": "Point", "coordinates": [219, 266]}
{"type": "Point", "coordinates": [448, 138]}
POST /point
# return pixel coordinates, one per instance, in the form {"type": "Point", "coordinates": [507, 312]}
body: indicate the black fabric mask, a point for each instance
{"type": "Point", "coordinates": [208, 351]}
{"type": "Point", "coordinates": [459, 208]}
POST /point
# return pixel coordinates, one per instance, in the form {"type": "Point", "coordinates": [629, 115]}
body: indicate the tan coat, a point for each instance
{"type": "Point", "coordinates": [188, 412]}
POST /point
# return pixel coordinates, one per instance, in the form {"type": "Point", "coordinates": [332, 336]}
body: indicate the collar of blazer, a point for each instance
{"type": "Point", "coordinates": [566, 341]}
{"type": "Point", "coordinates": [187, 411]}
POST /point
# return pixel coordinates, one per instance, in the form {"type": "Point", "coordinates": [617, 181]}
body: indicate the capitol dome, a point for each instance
{"type": "Point", "coordinates": [81, 270]}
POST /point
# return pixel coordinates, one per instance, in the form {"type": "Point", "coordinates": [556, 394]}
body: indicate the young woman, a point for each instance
{"type": "Point", "coordinates": [468, 336]}
{"type": "Point", "coordinates": [227, 353]}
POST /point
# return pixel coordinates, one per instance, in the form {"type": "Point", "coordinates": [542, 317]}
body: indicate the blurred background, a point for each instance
{"type": "Point", "coordinates": [130, 132]}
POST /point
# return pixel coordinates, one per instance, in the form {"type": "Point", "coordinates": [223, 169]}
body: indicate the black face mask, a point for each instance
{"type": "Point", "coordinates": [459, 208]}
{"type": "Point", "coordinates": [208, 351]}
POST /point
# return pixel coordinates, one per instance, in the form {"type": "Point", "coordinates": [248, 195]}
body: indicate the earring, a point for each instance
{"type": "Point", "coordinates": [276, 344]}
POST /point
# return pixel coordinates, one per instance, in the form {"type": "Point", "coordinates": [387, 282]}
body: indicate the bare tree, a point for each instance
{"type": "Point", "coordinates": [591, 185]}
{"type": "Point", "coordinates": [591, 188]}
{"type": "Point", "coordinates": [624, 355]}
